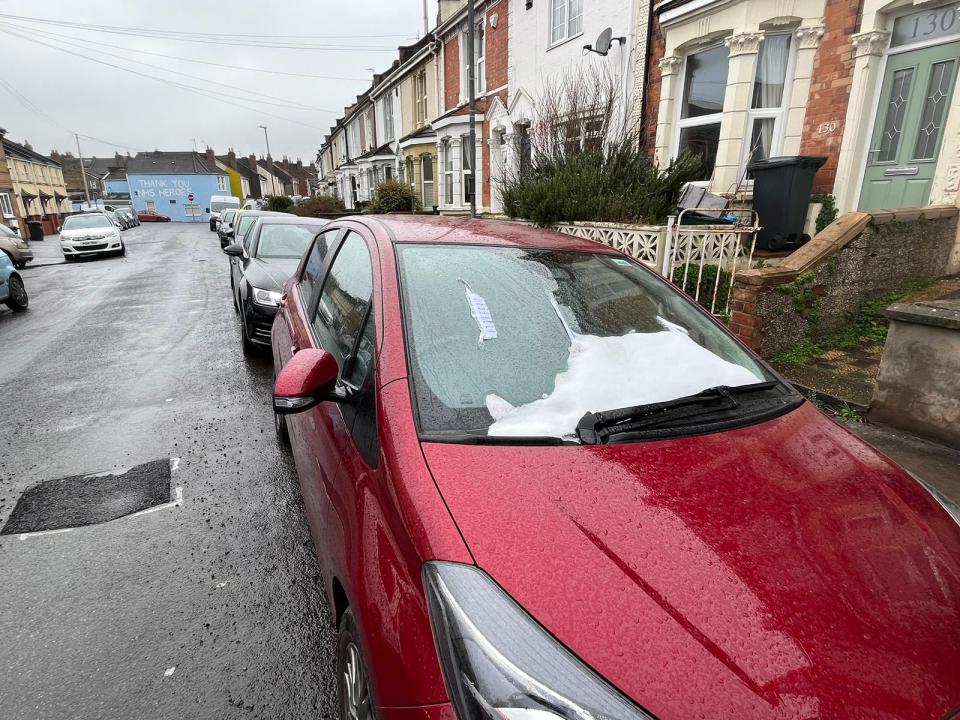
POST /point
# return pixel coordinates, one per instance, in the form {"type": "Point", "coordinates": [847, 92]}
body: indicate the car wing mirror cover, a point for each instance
{"type": "Point", "coordinates": [307, 380]}
{"type": "Point", "coordinates": [235, 250]}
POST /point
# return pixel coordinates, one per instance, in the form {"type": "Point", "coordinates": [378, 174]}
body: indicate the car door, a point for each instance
{"type": "Point", "coordinates": [341, 324]}
{"type": "Point", "coordinates": [239, 264]}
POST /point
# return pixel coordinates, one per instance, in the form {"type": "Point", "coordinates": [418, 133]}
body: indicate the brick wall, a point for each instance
{"type": "Point", "coordinates": [830, 89]}
{"type": "Point", "coordinates": [497, 56]}
{"type": "Point", "coordinates": [653, 81]}
{"type": "Point", "coordinates": [451, 73]}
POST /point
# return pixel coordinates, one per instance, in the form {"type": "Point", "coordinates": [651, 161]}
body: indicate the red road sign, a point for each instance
{"type": "Point", "coordinates": [190, 197]}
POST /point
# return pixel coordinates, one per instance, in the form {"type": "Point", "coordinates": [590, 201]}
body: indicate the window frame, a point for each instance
{"type": "Point", "coordinates": [681, 123]}
{"type": "Point", "coordinates": [426, 160]}
{"type": "Point", "coordinates": [779, 115]}
{"type": "Point", "coordinates": [388, 117]}
{"type": "Point", "coordinates": [466, 172]}
{"type": "Point", "coordinates": [448, 171]}
{"type": "Point", "coordinates": [221, 183]}
{"type": "Point", "coordinates": [6, 205]}
{"type": "Point", "coordinates": [307, 302]}
{"type": "Point", "coordinates": [420, 96]}
{"type": "Point", "coordinates": [567, 35]}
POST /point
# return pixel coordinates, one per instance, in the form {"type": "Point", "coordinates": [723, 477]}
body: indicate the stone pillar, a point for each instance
{"type": "Point", "coordinates": [455, 148]}
{"type": "Point", "coordinates": [868, 65]}
{"type": "Point", "coordinates": [807, 40]}
{"type": "Point", "coordinates": [733, 127]}
{"type": "Point", "coordinates": [669, 87]}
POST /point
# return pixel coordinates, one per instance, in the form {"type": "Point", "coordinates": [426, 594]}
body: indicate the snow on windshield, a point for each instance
{"type": "Point", "coordinates": [604, 373]}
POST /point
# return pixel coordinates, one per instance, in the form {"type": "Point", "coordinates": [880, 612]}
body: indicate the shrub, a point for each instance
{"type": "Point", "coordinates": [707, 281]}
{"type": "Point", "coordinates": [394, 196]}
{"type": "Point", "coordinates": [615, 183]}
{"type": "Point", "coordinates": [828, 211]}
{"type": "Point", "coordinates": [318, 206]}
{"type": "Point", "coordinates": [279, 203]}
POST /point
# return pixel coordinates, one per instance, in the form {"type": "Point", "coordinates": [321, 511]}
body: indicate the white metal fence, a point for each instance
{"type": "Point", "coordinates": [700, 250]}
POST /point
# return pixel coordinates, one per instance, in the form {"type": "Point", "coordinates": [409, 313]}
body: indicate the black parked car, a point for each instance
{"type": "Point", "coordinates": [260, 263]}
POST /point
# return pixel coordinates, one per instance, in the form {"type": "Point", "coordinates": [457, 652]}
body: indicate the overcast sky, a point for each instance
{"type": "Point", "coordinates": [61, 93]}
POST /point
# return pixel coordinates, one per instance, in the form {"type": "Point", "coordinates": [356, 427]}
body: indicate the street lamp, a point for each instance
{"type": "Point", "coordinates": [273, 180]}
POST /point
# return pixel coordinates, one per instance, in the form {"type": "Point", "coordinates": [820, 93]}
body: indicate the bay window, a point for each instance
{"type": "Point", "coordinates": [701, 107]}
{"type": "Point", "coordinates": [426, 175]}
{"type": "Point", "coordinates": [447, 172]}
{"type": "Point", "coordinates": [566, 20]}
{"type": "Point", "coordinates": [466, 156]}
{"type": "Point", "coordinates": [769, 101]}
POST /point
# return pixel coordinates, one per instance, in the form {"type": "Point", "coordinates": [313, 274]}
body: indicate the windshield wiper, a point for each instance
{"type": "Point", "coordinates": [476, 439]}
{"type": "Point", "coordinates": [595, 428]}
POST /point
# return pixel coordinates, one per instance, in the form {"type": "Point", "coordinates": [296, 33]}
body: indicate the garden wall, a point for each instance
{"type": "Point", "coordinates": [857, 258]}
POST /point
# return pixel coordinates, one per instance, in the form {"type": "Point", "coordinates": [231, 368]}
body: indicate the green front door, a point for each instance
{"type": "Point", "coordinates": [914, 101]}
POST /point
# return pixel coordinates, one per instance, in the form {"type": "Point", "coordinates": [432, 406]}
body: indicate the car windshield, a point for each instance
{"type": "Point", "coordinates": [86, 222]}
{"type": "Point", "coordinates": [218, 205]}
{"type": "Point", "coordinates": [7, 232]}
{"type": "Point", "coordinates": [284, 241]}
{"type": "Point", "coordinates": [228, 215]}
{"type": "Point", "coordinates": [523, 342]}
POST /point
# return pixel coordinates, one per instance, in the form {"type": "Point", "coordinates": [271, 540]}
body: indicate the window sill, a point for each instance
{"type": "Point", "coordinates": [558, 43]}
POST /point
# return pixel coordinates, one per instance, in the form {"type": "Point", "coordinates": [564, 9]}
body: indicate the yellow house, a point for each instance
{"type": "Point", "coordinates": [38, 187]}
{"type": "Point", "coordinates": [418, 91]}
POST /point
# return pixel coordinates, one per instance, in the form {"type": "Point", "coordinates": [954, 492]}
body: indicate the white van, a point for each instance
{"type": "Point", "coordinates": [218, 203]}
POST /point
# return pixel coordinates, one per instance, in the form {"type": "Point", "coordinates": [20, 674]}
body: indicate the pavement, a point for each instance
{"type": "Point", "coordinates": [206, 608]}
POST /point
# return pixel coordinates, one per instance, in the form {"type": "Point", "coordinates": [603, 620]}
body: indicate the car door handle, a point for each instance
{"type": "Point", "coordinates": [294, 349]}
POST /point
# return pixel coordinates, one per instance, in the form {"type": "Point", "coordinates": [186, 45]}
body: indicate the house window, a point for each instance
{"type": "Point", "coordinates": [701, 108]}
{"type": "Point", "coordinates": [6, 207]}
{"type": "Point", "coordinates": [479, 62]}
{"type": "Point", "coordinates": [151, 206]}
{"type": "Point", "coordinates": [371, 181]}
{"type": "Point", "coordinates": [426, 175]}
{"type": "Point", "coordinates": [768, 105]}
{"type": "Point", "coordinates": [467, 155]}
{"type": "Point", "coordinates": [566, 20]}
{"type": "Point", "coordinates": [447, 172]}
{"type": "Point", "coordinates": [388, 172]}
{"type": "Point", "coordinates": [420, 96]}
{"type": "Point", "coordinates": [221, 183]}
{"type": "Point", "coordinates": [388, 117]}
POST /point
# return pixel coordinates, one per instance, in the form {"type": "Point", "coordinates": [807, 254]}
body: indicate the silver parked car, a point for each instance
{"type": "Point", "coordinates": [14, 247]}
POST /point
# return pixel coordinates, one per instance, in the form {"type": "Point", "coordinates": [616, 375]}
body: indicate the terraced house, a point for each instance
{"type": "Point", "coordinates": [868, 85]}
{"type": "Point", "coordinates": [38, 187]}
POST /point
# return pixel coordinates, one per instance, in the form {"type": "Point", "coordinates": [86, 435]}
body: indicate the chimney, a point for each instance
{"type": "Point", "coordinates": [211, 157]}
{"type": "Point", "coordinates": [299, 164]}
{"type": "Point", "coordinates": [448, 8]}
{"type": "Point", "coordinates": [117, 159]}
{"type": "Point", "coordinates": [232, 159]}
{"type": "Point", "coordinates": [55, 156]}
{"type": "Point", "coordinates": [285, 164]}
{"type": "Point", "coordinates": [27, 145]}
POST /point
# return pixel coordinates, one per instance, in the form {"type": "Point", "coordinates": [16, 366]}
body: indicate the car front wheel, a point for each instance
{"type": "Point", "coordinates": [353, 680]}
{"type": "Point", "coordinates": [18, 300]}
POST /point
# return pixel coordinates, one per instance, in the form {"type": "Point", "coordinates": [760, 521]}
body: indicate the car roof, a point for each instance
{"type": "Point", "coordinates": [438, 229]}
{"type": "Point", "coordinates": [258, 213]}
{"type": "Point", "coordinates": [287, 219]}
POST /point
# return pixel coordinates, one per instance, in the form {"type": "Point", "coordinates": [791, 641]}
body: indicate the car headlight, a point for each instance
{"type": "Point", "coordinates": [266, 297]}
{"type": "Point", "coordinates": [500, 664]}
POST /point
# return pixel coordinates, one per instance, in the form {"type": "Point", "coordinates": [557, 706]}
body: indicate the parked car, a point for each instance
{"type": "Point", "coordinates": [131, 214]}
{"type": "Point", "coordinates": [543, 483]}
{"type": "Point", "coordinates": [225, 226]}
{"type": "Point", "coordinates": [242, 222]}
{"type": "Point", "coordinates": [259, 265]}
{"type": "Point", "coordinates": [152, 216]}
{"type": "Point", "coordinates": [12, 291]}
{"type": "Point", "coordinates": [90, 234]}
{"type": "Point", "coordinates": [14, 247]}
{"type": "Point", "coordinates": [218, 203]}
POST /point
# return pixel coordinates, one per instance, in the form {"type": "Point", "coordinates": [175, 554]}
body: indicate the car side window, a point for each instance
{"type": "Point", "coordinates": [319, 252]}
{"type": "Point", "coordinates": [248, 238]}
{"type": "Point", "coordinates": [344, 299]}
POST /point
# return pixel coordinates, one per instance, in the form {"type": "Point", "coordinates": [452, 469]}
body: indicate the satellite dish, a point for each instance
{"type": "Point", "coordinates": [602, 45]}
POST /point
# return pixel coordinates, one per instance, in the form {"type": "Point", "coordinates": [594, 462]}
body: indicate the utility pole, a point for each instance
{"type": "Point", "coordinates": [426, 19]}
{"type": "Point", "coordinates": [273, 179]}
{"type": "Point", "coordinates": [472, 87]}
{"type": "Point", "coordinates": [83, 173]}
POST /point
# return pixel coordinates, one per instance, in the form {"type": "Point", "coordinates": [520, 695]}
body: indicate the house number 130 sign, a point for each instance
{"type": "Point", "coordinates": [926, 25]}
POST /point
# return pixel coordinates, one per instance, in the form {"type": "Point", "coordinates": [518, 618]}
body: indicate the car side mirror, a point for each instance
{"type": "Point", "coordinates": [59, 230]}
{"type": "Point", "coordinates": [235, 250]}
{"type": "Point", "coordinates": [307, 380]}
{"type": "Point", "coordinates": [208, 209]}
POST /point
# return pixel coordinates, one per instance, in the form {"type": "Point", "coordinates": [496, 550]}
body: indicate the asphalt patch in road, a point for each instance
{"type": "Point", "coordinates": [82, 500]}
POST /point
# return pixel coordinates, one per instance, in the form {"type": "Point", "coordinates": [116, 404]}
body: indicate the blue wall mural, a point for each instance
{"type": "Point", "coordinates": [170, 194]}
{"type": "Point", "coordinates": [117, 185]}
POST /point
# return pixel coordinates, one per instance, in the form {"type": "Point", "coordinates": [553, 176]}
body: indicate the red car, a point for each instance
{"type": "Point", "coordinates": [151, 216]}
{"type": "Point", "coordinates": [542, 484]}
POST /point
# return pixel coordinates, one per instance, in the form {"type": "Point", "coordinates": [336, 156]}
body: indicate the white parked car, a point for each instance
{"type": "Point", "coordinates": [90, 234]}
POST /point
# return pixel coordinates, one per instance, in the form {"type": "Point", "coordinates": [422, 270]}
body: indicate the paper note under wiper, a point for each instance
{"type": "Point", "coordinates": [480, 313]}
